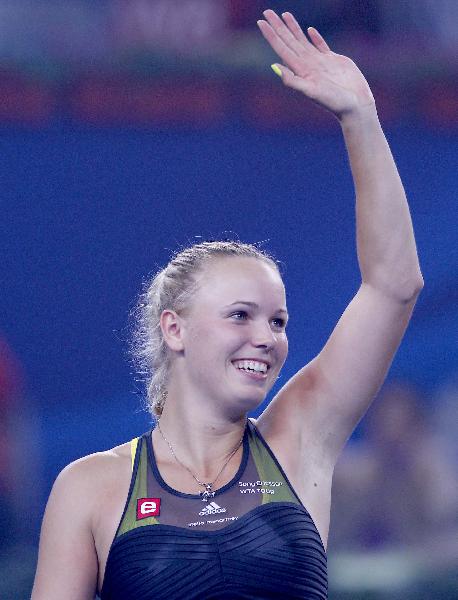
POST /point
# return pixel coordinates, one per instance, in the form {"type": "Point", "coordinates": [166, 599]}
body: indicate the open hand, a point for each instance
{"type": "Point", "coordinates": [330, 79]}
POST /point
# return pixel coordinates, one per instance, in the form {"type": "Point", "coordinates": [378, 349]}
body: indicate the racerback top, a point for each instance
{"type": "Point", "coordinates": [252, 539]}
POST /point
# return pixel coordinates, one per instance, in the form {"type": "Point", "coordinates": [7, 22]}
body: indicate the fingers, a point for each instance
{"type": "Point", "coordinates": [291, 80]}
{"type": "Point", "coordinates": [318, 40]}
{"type": "Point", "coordinates": [287, 38]}
{"type": "Point", "coordinates": [287, 55]}
{"type": "Point", "coordinates": [296, 30]}
{"type": "Point", "coordinates": [283, 31]}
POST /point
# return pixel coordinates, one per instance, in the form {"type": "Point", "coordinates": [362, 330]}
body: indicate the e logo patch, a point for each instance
{"type": "Point", "coordinates": [148, 507]}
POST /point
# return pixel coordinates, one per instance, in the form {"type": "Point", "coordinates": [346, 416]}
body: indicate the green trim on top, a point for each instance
{"type": "Point", "coordinates": [264, 462]}
{"type": "Point", "coordinates": [129, 520]}
{"type": "Point", "coordinates": [268, 471]}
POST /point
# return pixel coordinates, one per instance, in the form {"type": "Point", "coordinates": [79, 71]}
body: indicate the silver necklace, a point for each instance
{"type": "Point", "coordinates": [208, 493]}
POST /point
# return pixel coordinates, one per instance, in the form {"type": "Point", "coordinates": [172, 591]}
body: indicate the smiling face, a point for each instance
{"type": "Point", "coordinates": [234, 335]}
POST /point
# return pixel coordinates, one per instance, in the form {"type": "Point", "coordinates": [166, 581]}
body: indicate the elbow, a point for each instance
{"type": "Point", "coordinates": [411, 289]}
{"type": "Point", "coordinates": [404, 292]}
{"type": "Point", "coordinates": [420, 284]}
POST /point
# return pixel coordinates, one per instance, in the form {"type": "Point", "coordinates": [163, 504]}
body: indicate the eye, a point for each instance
{"type": "Point", "coordinates": [279, 322]}
{"type": "Point", "coordinates": [240, 315]}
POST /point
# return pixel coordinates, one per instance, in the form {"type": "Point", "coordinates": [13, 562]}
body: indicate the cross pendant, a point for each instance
{"type": "Point", "coordinates": [208, 493]}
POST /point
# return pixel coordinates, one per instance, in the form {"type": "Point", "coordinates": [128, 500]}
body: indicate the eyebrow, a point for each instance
{"type": "Point", "coordinates": [254, 305]}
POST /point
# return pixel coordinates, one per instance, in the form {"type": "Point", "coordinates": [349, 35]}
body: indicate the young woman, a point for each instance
{"type": "Point", "coordinates": [211, 504]}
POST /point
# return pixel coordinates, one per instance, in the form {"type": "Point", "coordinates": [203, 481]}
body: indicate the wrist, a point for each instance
{"type": "Point", "coordinates": [359, 116]}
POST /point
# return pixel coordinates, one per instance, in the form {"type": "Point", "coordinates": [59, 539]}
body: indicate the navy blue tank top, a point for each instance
{"type": "Point", "coordinates": [253, 539]}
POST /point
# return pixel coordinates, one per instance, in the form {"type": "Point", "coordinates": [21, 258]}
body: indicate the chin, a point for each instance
{"type": "Point", "coordinates": [251, 402]}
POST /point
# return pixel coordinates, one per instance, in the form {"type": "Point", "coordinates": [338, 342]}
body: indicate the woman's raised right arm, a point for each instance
{"type": "Point", "coordinates": [67, 559]}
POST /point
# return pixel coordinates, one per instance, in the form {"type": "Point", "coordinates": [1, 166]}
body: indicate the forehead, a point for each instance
{"type": "Point", "coordinates": [241, 278]}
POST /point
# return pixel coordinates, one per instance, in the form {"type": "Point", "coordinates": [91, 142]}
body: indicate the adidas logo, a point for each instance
{"type": "Point", "coordinates": [211, 509]}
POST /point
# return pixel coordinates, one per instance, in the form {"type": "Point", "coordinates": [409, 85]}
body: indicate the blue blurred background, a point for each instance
{"type": "Point", "coordinates": [128, 129]}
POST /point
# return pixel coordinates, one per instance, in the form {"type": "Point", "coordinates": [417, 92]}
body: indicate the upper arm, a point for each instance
{"type": "Point", "coordinates": [67, 560]}
{"type": "Point", "coordinates": [324, 401]}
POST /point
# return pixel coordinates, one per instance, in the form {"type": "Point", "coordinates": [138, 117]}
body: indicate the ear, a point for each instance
{"type": "Point", "coordinates": [171, 326]}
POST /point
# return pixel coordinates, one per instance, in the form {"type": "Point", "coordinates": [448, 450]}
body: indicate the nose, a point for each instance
{"type": "Point", "coordinates": [263, 336]}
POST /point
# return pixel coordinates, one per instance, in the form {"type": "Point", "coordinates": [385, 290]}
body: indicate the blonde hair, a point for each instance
{"type": "Point", "coordinates": [172, 288]}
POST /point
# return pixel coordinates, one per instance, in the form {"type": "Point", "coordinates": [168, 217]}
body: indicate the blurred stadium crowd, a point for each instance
{"type": "Point", "coordinates": [155, 63]}
{"type": "Point", "coordinates": [103, 62]}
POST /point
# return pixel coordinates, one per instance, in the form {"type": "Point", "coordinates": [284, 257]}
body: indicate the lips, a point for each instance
{"type": "Point", "coordinates": [261, 360]}
{"type": "Point", "coordinates": [251, 374]}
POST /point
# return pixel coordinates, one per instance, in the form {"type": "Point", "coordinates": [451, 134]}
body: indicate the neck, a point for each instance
{"type": "Point", "coordinates": [202, 442]}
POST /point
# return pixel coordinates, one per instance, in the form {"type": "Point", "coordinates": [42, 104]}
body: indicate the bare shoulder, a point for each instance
{"type": "Point", "coordinates": [68, 559]}
{"type": "Point", "coordinates": [105, 464]}
{"type": "Point", "coordinates": [85, 484]}
{"type": "Point", "coordinates": [94, 473]}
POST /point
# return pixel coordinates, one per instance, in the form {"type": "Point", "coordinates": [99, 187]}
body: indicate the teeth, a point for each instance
{"type": "Point", "coordinates": [251, 365]}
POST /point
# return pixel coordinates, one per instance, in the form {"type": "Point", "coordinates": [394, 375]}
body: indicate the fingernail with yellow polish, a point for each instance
{"type": "Point", "coordinates": [276, 70]}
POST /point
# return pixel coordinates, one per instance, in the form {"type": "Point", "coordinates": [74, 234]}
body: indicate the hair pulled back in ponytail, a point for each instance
{"type": "Point", "coordinates": [172, 288]}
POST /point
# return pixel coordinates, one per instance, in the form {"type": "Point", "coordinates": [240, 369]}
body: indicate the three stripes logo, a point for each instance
{"type": "Point", "coordinates": [211, 509]}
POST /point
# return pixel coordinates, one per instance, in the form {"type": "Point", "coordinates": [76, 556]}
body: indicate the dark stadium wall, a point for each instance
{"type": "Point", "coordinates": [88, 213]}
